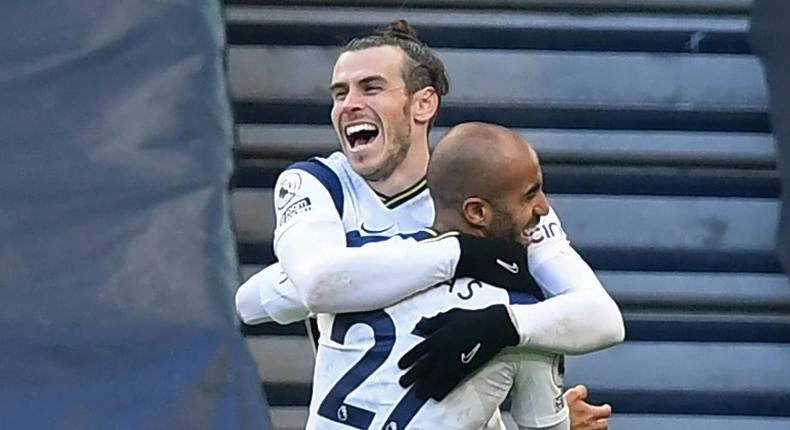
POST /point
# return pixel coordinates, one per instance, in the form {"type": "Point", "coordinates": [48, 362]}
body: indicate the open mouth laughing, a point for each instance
{"type": "Point", "coordinates": [360, 134]}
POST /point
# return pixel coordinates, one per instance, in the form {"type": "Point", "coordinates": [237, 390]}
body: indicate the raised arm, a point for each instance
{"type": "Point", "coordinates": [578, 316]}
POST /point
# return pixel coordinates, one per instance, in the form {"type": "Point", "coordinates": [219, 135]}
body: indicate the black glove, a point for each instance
{"type": "Point", "coordinates": [499, 262]}
{"type": "Point", "coordinates": [458, 342]}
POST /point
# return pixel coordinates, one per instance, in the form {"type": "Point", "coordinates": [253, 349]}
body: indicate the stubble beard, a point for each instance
{"type": "Point", "coordinates": [396, 150]}
{"type": "Point", "coordinates": [502, 225]}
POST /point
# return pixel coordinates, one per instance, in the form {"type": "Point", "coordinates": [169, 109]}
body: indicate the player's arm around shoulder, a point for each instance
{"type": "Point", "coordinates": [269, 295]}
{"type": "Point", "coordinates": [303, 205]}
{"type": "Point", "coordinates": [329, 276]}
{"type": "Point", "coordinates": [578, 316]}
{"type": "Point", "coordinates": [309, 227]}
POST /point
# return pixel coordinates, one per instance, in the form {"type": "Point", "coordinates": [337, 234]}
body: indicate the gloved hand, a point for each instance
{"type": "Point", "coordinates": [457, 343]}
{"type": "Point", "coordinates": [499, 262]}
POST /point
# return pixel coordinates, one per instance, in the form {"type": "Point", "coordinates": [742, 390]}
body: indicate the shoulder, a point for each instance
{"type": "Point", "coordinates": [328, 170]}
{"type": "Point", "coordinates": [307, 177]}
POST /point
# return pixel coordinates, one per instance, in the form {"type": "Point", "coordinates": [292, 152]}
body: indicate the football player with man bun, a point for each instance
{"type": "Point", "coordinates": [386, 90]}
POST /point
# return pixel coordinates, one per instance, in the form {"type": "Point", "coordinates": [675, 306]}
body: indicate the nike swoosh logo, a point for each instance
{"type": "Point", "coordinates": [466, 357]}
{"type": "Point", "coordinates": [510, 267]}
{"type": "Point", "coordinates": [375, 230]}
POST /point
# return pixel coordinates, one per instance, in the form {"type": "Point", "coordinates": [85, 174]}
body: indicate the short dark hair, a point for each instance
{"type": "Point", "coordinates": [422, 67]}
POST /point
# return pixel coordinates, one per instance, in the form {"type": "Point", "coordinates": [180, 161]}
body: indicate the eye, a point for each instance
{"type": "Point", "coordinates": [339, 96]}
{"type": "Point", "coordinates": [530, 196]}
{"type": "Point", "coordinates": [372, 89]}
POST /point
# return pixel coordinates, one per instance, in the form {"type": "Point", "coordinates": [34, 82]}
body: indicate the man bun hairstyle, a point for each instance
{"type": "Point", "coordinates": [422, 67]}
{"type": "Point", "coordinates": [400, 28]}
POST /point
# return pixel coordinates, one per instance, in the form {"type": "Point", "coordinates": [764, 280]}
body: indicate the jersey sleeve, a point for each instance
{"type": "Point", "coordinates": [330, 277]}
{"type": "Point", "coordinates": [547, 239]}
{"type": "Point", "coordinates": [306, 193]}
{"type": "Point", "coordinates": [536, 399]}
{"type": "Point", "coordinates": [578, 316]}
{"type": "Point", "coordinates": [269, 296]}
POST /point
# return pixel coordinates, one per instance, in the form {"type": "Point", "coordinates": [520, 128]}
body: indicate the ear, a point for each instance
{"type": "Point", "coordinates": [477, 212]}
{"type": "Point", "coordinates": [424, 104]}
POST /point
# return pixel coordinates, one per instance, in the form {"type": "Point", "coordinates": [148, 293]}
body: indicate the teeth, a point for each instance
{"type": "Point", "coordinates": [351, 129]}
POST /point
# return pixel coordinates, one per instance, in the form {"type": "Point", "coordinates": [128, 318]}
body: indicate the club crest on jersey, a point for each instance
{"type": "Point", "coordinates": [297, 207]}
{"type": "Point", "coordinates": [290, 183]}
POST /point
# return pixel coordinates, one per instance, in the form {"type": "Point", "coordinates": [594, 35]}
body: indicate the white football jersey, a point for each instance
{"type": "Point", "coordinates": [370, 217]}
{"type": "Point", "coordinates": [356, 371]}
{"type": "Point", "coordinates": [355, 380]}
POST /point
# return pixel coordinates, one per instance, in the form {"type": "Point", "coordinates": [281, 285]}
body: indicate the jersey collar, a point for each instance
{"type": "Point", "coordinates": [433, 235]}
{"type": "Point", "coordinates": [391, 202]}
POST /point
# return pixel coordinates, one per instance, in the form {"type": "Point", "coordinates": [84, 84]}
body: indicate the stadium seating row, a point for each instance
{"type": "Point", "coordinates": [686, 233]}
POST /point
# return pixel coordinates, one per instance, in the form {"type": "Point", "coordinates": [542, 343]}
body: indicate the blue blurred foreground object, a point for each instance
{"type": "Point", "coordinates": [117, 261]}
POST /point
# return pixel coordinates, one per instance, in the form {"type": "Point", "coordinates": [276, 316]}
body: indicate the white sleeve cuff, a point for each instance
{"type": "Point", "coordinates": [269, 296]}
{"type": "Point", "coordinates": [282, 301]}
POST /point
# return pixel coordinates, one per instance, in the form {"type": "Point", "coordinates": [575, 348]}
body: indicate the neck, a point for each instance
{"type": "Point", "coordinates": [412, 169]}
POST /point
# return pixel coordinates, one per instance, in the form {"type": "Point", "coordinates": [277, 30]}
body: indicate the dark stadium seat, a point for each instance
{"type": "Point", "coordinates": [528, 88]}
{"type": "Point", "coordinates": [711, 7]}
{"type": "Point", "coordinates": [710, 230]}
{"type": "Point", "coordinates": [652, 148]}
{"type": "Point", "coordinates": [598, 179]}
{"type": "Point", "coordinates": [689, 378]}
{"type": "Point", "coordinates": [700, 378]}
{"type": "Point", "coordinates": [497, 29]}
{"type": "Point", "coordinates": [703, 290]}
{"type": "Point", "coordinates": [696, 422]}
{"type": "Point", "coordinates": [531, 78]}
{"type": "Point", "coordinates": [706, 290]}
{"type": "Point", "coordinates": [677, 306]}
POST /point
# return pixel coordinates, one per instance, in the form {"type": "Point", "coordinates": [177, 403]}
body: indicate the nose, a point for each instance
{"type": "Point", "coordinates": [541, 208]}
{"type": "Point", "coordinates": [352, 102]}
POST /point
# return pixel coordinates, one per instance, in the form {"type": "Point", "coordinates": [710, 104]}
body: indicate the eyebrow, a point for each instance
{"type": "Point", "coordinates": [337, 86]}
{"type": "Point", "coordinates": [534, 188]}
{"type": "Point", "coordinates": [363, 81]}
{"type": "Point", "coordinates": [374, 78]}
